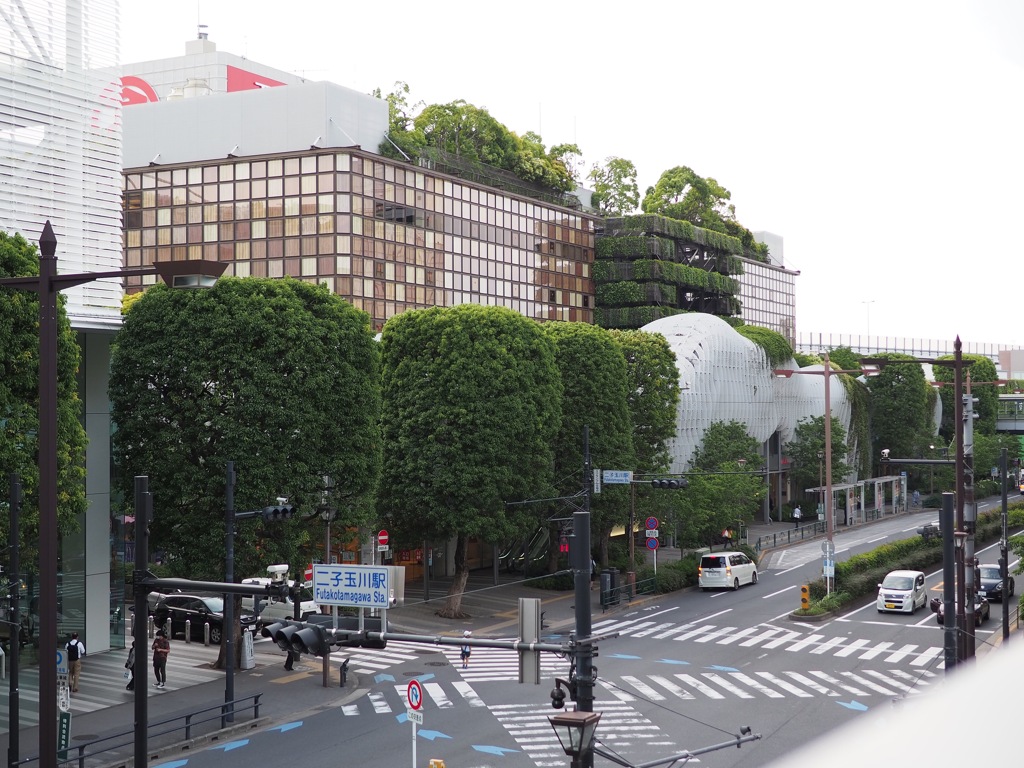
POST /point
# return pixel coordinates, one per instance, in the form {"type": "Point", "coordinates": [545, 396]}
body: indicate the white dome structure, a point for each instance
{"type": "Point", "coordinates": [724, 376]}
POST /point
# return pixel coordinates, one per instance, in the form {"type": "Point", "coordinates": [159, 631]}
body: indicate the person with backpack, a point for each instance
{"type": "Point", "coordinates": [76, 650]}
{"type": "Point", "coordinates": [466, 650]}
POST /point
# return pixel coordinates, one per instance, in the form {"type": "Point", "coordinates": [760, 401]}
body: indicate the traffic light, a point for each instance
{"type": "Point", "coordinates": [282, 632]}
{"type": "Point", "coordinates": [277, 512]}
{"type": "Point", "coordinates": [670, 483]}
{"type": "Point", "coordinates": [311, 639]}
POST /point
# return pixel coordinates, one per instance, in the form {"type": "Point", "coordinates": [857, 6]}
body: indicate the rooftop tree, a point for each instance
{"type": "Point", "coordinates": [471, 404]}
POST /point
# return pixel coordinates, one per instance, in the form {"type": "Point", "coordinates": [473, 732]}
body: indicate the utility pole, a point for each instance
{"type": "Point", "coordinates": [14, 632]}
{"type": "Point", "coordinates": [229, 600]}
{"type": "Point", "coordinates": [970, 518]}
{"type": "Point", "coordinates": [958, 428]}
{"type": "Point", "coordinates": [1004, 573]}
{"type": "Point", "coordinates": [581, 539]}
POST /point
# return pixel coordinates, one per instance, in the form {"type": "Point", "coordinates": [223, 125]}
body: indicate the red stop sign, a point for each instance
{"type": "Point", "coordinates": [383, 538]}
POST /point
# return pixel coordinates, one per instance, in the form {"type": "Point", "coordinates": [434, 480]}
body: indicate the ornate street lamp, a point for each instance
{"type": "Point", "coordinates": [575, 731]}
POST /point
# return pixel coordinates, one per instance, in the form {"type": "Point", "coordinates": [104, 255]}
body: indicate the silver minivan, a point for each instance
{"type": "Point", "coordinates": [726, 569]}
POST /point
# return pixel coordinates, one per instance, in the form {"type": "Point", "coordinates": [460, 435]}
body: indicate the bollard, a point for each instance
{"type": "Point", "coordinates": [344, 672]}
{"type": "Point", "coordinates": [188, 630]}
{"type": "Point", "coordinates": [206, 633]}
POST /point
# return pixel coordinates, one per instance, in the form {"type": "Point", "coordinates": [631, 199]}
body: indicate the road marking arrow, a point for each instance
{"type": "Point", "coordinates": [717, 668]}
{"type": "Point", "coordinates": [623, 656]}
{"type": "Point", "coordinates": [286, 726]}
{"type": "Point", "coordinates": [431, 735]}
{"type": "Point", "coordinates": [424, 678]}
{"type": "Point", "coordinates": [499, 751]}
{"type": "Point", "coordinates": [232, 745]}
{"type": "Point", "coordinates": [383, 676]}
{"type": "Point", "coordinates": [673, 661]}
{"type": "Point", "coordinates": [855, 705]}
{"type": "Point", "coordinates": [172, 764]}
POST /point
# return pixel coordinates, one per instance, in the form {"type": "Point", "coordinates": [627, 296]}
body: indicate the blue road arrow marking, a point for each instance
{"type": "Point", "coordinates": [231, 745]}
{"type": "Point", "coordinates": [622, 656]}
{"type": "Point", "coordinates": [402, 718]}
{"type": "Point", "coordinates": [424, 678]}
{"type": "Point", "coordinates": [383, 676]}
{"type": "Point", "coordinates": [431, 735]}
{"type": "Point", "coordinates": [286, 726]}
{"type": "Point", "coordinates": [854, 705]}
{"type": "Point", "coordinates": [172, 764]}
{"type": "Point", "coordinates": [717, 668]}
{"type": "Point", "coordinates": [499, 751]}
{"type": "Point", "coordinates": [673, 661]}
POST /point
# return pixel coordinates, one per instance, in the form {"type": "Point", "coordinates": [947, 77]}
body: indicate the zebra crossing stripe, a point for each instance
{"type": "Point", "coordinates": [852, 647]}
{"type": "Point", "coordinates": [926, 657]}
{"type": "Point", "coordinates": [618, 693]}
{"type": "Point", "coordinates": [671, 687]}
{"type": "Point", "coordinates": [781, 640]}
{"type": "Point", "coordinates": [901, 654]}
{"type": "Point", "coordinates": [644, 688]}
{"type": "Point", "coordinates": [828, 645]}
{"type": "Point", "coordinates": [881, 647]}
{"type": "Point", "coordinates": [719, 680]}
{"type": "Point", "coordinates": [894, 683]}
{"type": "Point", "coordinates": [693, 682]}
{"type": "Point", "coordinates": [438, 695]}
{"type": "Point", "coordinates": [694, 632]}
{"type": "Point", "coordinates": [467, 693]}
{"type": "Point", "coordinates": [736, 636]}
{"type": "Point", "coordinates": [786, 686]}
{"type": "Point", "coordinates": [919, 677]}
{"type": "Point", "coordinates": [814, 686]}
{"type": "Point", "coordinates": [771, 693]}
{"type": "Point", "coordinates": [768, 633]}
{"type": "Point", "coordinates": [707, 638]}
{"type": "Point", "coordinates": [380, 704]}
{"type": "Point", "coordinates": [840, 684]}
{"type": "Point", "coordinates": [806, 642]}
{"type": "Point", "coordinates": [652, 630]}
{"type": "Point", "coordinates": [673, 631]}
{"type": "Point", "coordinates": [860, 680]}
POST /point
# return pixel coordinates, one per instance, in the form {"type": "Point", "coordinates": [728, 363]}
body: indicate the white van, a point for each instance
{"type": "Point", "coordinates": [726, 569]}
{"type": "Point", "coordinates": [902, 591]}
{"type": "Point", "coordinates": [274, 607]}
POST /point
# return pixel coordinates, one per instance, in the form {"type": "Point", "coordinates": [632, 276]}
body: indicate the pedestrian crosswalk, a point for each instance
{"type": "Point", "coordinates": [102, 683]}
{"type": "Point", "coordinates": [623, 730]}
{"type": "Point", "coordinates": [703, 685]}
{"type": "Point", "coordinates": [392, 699]}
{"type": "Point", "coordinates": [371, 660]}
{"type": "Point", "coordinates": [770, 637]}
{"type": "Point", "coordinates": [489, 665]}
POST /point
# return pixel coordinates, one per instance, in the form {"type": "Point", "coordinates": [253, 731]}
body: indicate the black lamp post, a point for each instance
{"type": "Point", "coordinates": [47, 285]}
{"type": "Point", "coordinates": [575, 731]}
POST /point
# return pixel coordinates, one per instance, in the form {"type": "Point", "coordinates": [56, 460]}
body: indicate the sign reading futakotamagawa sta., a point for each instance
{"type": "Point", "coordinates": [357, 586]}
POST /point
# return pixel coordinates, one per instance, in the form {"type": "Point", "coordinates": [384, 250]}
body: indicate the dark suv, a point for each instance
{"type": "Point", "coordinates": [200, 610]}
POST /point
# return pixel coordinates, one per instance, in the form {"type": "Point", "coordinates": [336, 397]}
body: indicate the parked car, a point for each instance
{"type": "Point", "coordinates": [982, 610]}
{"type": "Point", "coordinates": [902, 591]}
{"type": "Point", "coordinates": [726, 569]}
{"type": "Point", "coordinates": [200, 610]}
{"type": "Point", "coordinates": [991, 584]}
{"type": "Point", "coordinates": [276, 607]}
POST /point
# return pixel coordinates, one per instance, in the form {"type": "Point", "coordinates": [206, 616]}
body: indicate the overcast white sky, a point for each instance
{"type": "Point", "coordinates": [882, 140]}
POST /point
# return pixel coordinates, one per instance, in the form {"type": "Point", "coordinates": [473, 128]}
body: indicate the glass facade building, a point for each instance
{"type": "Point", "coordinates": [386, 236]}
{"type": "Point", "coordinates": [768, 297]}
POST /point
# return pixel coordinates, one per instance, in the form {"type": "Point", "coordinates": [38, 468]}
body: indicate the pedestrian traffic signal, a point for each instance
{"type": "Point", "coordinates": [670, 483]}
{"type": "Point", "coordinates": [278, 512]}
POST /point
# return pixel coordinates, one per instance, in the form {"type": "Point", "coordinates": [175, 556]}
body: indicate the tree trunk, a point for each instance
{"type": "Point", "coordinates": [453, 602]}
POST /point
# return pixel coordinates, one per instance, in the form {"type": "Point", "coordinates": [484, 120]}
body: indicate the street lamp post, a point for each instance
{"type": "Point", "coordinates": [821, 505]}
{"type": "Point", "coordinates": [47, 284]}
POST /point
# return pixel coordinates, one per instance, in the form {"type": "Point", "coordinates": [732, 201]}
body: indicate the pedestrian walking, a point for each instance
{"type": "Point", "coordinates": [726, 537]}
{"type": "Point", "coordinates": [76, 650]}
{"type": "Point", "coordinates": [797, 514]}
{"type": "Point", "coordinates": [466, 650]}
{"type": "Point", "coordinates": [161, 650]}
{"type": "Point", "coordinates": [917, 498]}
{"type": "Point", "coordinates": [130, 668]}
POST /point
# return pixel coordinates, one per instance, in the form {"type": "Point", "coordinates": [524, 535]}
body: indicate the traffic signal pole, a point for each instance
{"type": "Point", "coordinates": [581, 569]}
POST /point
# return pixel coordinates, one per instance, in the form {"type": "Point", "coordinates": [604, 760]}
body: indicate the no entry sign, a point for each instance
{"type": "Point", "coordinates": [383, 538]}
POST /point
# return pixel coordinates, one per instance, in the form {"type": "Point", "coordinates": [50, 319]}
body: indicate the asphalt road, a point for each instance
{"type": "Point", "coordinates": [685, 672]}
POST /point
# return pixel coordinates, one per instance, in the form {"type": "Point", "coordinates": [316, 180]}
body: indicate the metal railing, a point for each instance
{"type": "Point", "coordinates": [186, 723]}
{"type": "Point", "coordinates": [625, 592]}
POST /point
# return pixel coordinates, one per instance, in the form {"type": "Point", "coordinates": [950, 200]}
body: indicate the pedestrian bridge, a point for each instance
{"type": "Point", "coordinates": [1010, 414]}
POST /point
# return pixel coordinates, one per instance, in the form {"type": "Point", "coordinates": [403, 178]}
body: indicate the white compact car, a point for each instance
{"type": "Point", "coordinates": [726, 569]}
{"type": "Point", "coordinates": [902, 591]}
{"type": "Point", "coordinates": [274, 608]}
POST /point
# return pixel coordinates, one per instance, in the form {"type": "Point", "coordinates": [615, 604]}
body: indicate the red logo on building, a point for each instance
{"type": "Point", "coordinates": [135, 90]}
{"type": "Point", "coordinates": [240, 80]}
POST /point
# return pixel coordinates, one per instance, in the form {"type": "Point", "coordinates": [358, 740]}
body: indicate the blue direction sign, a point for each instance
{"type": "Point", "coordinates": [617, 476]}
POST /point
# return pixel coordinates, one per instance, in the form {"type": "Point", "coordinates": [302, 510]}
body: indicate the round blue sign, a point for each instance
{"type": "Point", "coordinates": [652, 543]}
{"type": "Point", "coordinates": [652, 523]}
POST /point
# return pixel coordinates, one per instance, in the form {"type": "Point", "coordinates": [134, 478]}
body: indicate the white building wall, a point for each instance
{"type": "Point", "coordinates": [725, 377]}
{"type": "Point", "coordinates": [60, 140]}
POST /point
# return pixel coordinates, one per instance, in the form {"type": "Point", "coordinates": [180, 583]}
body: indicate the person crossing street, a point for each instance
{"type": "Point", "coordinates": [76, 650]}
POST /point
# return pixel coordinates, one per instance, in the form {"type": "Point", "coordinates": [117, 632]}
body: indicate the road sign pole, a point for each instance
{"type": "Point", "coordinates": [413, 743]}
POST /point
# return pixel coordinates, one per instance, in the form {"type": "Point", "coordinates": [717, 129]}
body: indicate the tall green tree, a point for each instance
{"type": "Point", "coordinates": [725, 484]}
{"type": "Point", "coordinates": [402, 143]}
{"type": "Point", "coordinates": [983, 376]}
{"type": "Point", "coordinates": [901, 418]}
{"type": "Point", "coordinates": [596, 394]}
{"type": "Point", "coordinates": [278, 376]}
{"type": "Point", "coordinates": [804, 449]}
{"type": "Point", "coordinates": [19, 400]}
{"type": "Point", "coordinates": [615, 189]}
{"type": "Point", "coordinates": [471, 405]}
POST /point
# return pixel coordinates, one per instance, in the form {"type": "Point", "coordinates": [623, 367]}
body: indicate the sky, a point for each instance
{"type": "Point", "coordinates": [881, 140]}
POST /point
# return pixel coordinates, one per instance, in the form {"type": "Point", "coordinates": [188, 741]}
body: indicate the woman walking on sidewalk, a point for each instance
{"type": "Point", "coordinates": [161, 650]}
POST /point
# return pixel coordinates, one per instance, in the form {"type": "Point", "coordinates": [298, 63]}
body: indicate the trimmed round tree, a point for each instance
{"type": "Point", "coordinates": [471, 403]}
